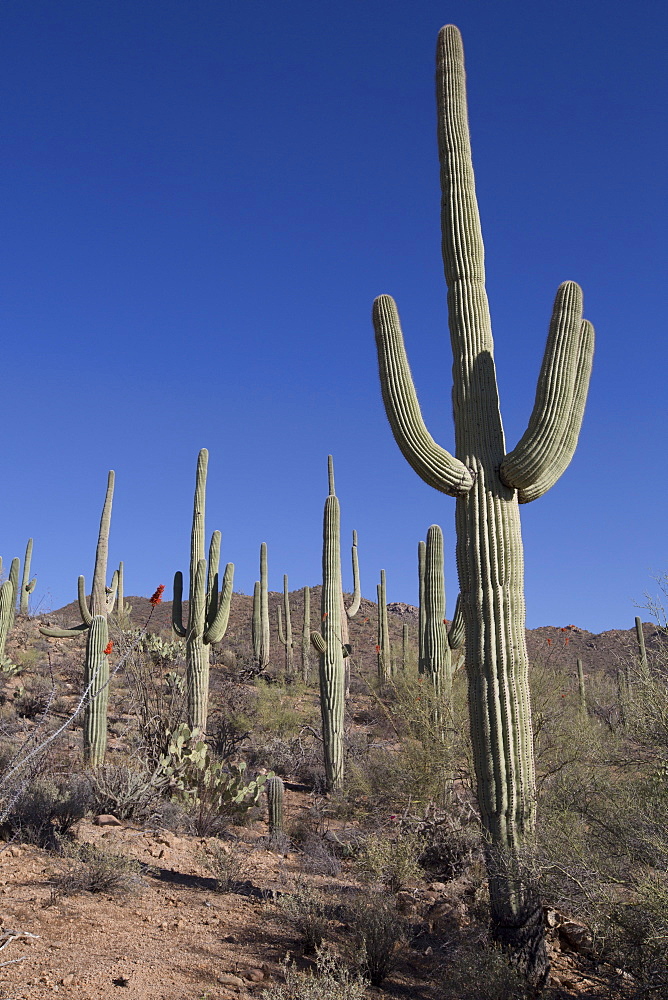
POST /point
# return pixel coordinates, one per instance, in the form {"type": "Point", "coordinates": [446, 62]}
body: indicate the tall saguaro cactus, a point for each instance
{"type": "Point", "coordinates": [260, 621]}
{"type": "Point", "coordinates": [94, 616]}
{"type": "Point", "coordinates": [27, 584]}
{"type": "Point", "coordinates": [383, 648]}
{"type": "Point", "coordinates": [329, 643]}
{"type": "Point", "coordinates": [285, 634]}
{"type": "Point", "coordinates": [306, 635]}
{"type": "Point", "coordinates": [208, 611]}
{"type": "Point", "coordinates": [489, 484]}
{"type": "Point", "coordinates": [437, 663]}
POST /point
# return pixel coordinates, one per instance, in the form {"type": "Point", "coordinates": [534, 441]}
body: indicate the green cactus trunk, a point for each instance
{"type": "Point", "coordinates": [437, 661]}
{"type": "Point", "coordinates": [208, 612]}
{"type": "Point", "coordinates": [96, 662]}
{"type": "Point", "coordinates": [642, 651]}
{"type": "Point", "coordinates": [488, 484]}
{"type": "Point", "coordinates": [27, 585]}
{"type": "Point", "coordinates": [96, 682]}
{"type": "Point", "coordinates": [7, 598]}
{"type": "Point", "coordinates": [306, 636]}
{"type": "Point", "coordinates": [582, 691]}
{"type": "Point", "coordinates": [329, 644]}
{"type": "Point", "coordinates": [274, 788]}
{"type": "Point", "coordinates": [261, 632]}
{"type": "Point", "coordinates": [285, 634]}
{"type": "Point", "coordinates": [404, 647]}
{"type": "Point", "coordinates": [383, 649]}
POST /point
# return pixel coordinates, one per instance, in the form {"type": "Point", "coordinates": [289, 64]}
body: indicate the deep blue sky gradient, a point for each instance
{"type": "Point", "coordinates": [200, 201]}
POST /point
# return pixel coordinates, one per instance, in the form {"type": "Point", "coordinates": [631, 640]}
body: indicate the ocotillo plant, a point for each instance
{"type": "Point", "coordinates": [208, 611]}
{"type": "Point", "coordinates": [329, 644]}
{"type": "Point", "coordinates": [436, 662]}
{"type": "Point", "coordinates": [488, 484]}
{"type": "Point", "coordinates": [27, 585]}
{"type": "Point", "coordinates": [383, 648]}
{"type": "Point", "coordinates": [306, 636]}
{"type": "Point", "coordinates": [285, 635]}
{"type": "Point", "coordinates": [94, 621]}
{"type": "Point", "coordinates": [260, 622]}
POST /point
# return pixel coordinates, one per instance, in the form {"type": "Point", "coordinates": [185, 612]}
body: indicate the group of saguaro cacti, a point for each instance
{"type": "Point", "coordinates": [489, 483]}
{"type": "Point", "coordinates": [94, 623]}
{"type": "Point", "coordinates": [208, 610]}
{"type": "Point", "coordinates": [332, 641]}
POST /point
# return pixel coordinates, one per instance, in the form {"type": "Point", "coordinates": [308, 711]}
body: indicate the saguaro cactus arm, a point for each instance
{"type": "Point", "coordinates": [432, 463]}
{"type": "Point", "coordinates": [177, 606]}
{"type": "Point", "coordinates": [216, 630]}
{"type": "Point", "coordinates": [547, 446]}
{"type": "Point", "coordinates": [98, 594]}
{"type": "Point", "coordinates": [457, 633]}
{"type": "Point", "coordinates": [357, 590]}
{"type": "Point", "coordinates": [27, 585]}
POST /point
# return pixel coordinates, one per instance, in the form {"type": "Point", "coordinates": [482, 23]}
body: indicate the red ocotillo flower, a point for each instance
{"type": "Point", "coordinates": [378, 649]}
{"type": "Point", "coordinates": [157, 597]}
{"type": "Point", "coordinates": [567, 639]}
{"type": "Point", "coordinates": [108, 648]}
{"type": "Point", "coordinates": [325, 615]}
{"type": "Point", "coordinates": [549, 642]}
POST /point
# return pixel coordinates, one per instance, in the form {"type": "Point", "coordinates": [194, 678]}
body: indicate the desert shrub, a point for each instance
{"type": "Point", "coordinates": [280, 712]}
{"type": "Point", "coordinates": [229, 869]}
{"type": "Point", "coordinates": [128, 793]}
{"type": "Point", "coordinates": [299, 757]}
{"type": "Point", "coordinates": [318, 856]}
{"type": "Point", "coordinates": [391, 861]}
{"type": "Point", "coordinates": [378, 931]}
{"type": "Point", "coordinates": [88, 868]}
{"type": "Point", "coordinates": [332, 980]}
{"type": "Point", "coordinates": [32, 699]}
{"type": "Point", "coordinates": [306, 910]}
{"type": "Point", "coordinates": [230, 726]}
{"type": "Point", "coordinates": [480, 972]}
{"type": "Point", "coordinates": [46, 809]}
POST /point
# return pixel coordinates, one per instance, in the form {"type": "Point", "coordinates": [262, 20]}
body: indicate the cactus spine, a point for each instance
{"type": "Point", "coordinates": [208, 612]}
{"type": "Point", "coordinates": [96, 662]}
{"type": "Point", "coordinates": [306, 636]}
{"type": "Point", "coordinates": [260, 625]}
{"type": "Point", "coordinates": [285, 635]}
{"type": "Point", "coordinates": [488, 483]}
{"type": "Point", "coordinates": [329, 643]}
{"type": "Point", "coordinates": [27, 585]}
{"type": "Point", "coordinates": [275, 805]}
{"type": "Point", "coordinates": [642, 651]}
{"type": "Point", "coordinates": [383, 646]}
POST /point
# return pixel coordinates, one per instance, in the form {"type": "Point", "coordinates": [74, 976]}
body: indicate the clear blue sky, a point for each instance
{"type": "Point", "coordinates": [200, 200]}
